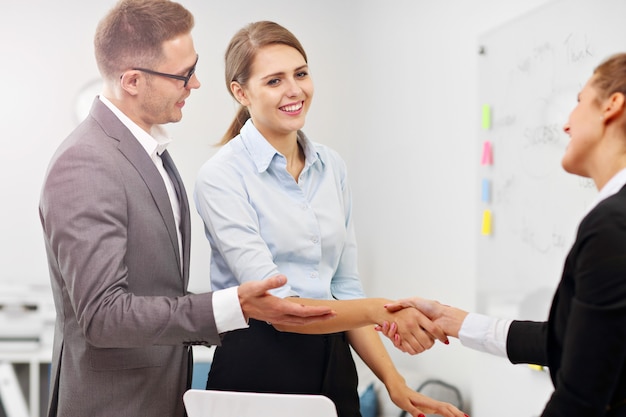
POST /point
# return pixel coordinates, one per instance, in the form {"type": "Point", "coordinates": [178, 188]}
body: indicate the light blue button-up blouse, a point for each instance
{"type": "Point", "coordinates": [261, 222]}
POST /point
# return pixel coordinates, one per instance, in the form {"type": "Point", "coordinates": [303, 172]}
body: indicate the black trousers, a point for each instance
{"type": "Point", "coordinates": [262, 359]}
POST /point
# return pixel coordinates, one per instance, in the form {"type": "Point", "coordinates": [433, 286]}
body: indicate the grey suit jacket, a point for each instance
{"type": "Point", "coordinates": [124, 317]}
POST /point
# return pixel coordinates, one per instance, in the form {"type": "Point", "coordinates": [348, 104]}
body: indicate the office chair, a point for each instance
{"type": "Point", "coordinates": [208, 403]}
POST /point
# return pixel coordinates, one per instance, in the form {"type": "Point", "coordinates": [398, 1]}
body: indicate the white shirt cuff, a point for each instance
{"type": "Point", "coordinates": [485, 334]}
{"type": "Point", "coordinates": [227, 310]}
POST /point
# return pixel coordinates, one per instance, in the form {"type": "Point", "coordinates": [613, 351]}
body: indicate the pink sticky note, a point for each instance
{"type": "Point", "coordinates": [487, 158]}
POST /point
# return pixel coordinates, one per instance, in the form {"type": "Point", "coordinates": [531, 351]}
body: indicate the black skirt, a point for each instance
{"type": "Point", "coordinates": [262, 359]}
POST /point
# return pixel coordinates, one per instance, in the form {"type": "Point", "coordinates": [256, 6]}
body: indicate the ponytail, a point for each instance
{"type": "Point", "coordinates": [235, 126]}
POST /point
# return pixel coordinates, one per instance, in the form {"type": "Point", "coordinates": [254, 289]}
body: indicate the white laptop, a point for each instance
{"type": "Point", "coordinates": [208, 403]}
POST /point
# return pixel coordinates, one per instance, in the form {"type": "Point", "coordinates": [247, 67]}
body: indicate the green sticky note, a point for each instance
{"type": "Point", "coordinates": [486, 117]}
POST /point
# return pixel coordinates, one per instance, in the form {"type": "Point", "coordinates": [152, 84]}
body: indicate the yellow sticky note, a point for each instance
{"type": "Point", "coordinates": [486, 229]}
{"type": "Point", "coordinates": [486, 118]}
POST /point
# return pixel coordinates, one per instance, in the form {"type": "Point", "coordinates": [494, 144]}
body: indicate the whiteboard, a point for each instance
{"type": "Point", "coordinates": [530, 71]}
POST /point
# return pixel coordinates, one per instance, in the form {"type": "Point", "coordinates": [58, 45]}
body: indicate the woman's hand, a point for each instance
{"type": "Point", "coordinates": [448, 318]}
{"type": "Point", "coordinates": [411, 330]}
{"type": "Point", "coordinates": [418, 404]}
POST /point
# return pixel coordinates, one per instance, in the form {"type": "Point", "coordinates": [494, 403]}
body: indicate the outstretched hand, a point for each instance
{"type": "Point", "coordinates": [257, 303]}
{"type": "Point", "coordinates": [418, 404]}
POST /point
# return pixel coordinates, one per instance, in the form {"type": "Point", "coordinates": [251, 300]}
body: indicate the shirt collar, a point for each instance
{"type": "Point", "coordinates": [263, 153]}
{"type": "Point", "coordinates": [154, 142]}
{"type": "Point", "coordinates": [611, 187]}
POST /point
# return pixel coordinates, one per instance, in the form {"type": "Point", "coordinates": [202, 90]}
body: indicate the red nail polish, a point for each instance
{"type": "Point", "coordinates": [447, 342]}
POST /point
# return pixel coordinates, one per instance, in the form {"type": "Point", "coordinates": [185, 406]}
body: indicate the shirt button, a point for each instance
{"type": "Point", "coordinates": [315, 239]}
{"type": "Point", "coordinates": [314, 275]}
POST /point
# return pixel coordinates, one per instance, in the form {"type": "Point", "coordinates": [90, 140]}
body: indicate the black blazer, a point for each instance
{"type": "Point", "coordinates": [584, 340]}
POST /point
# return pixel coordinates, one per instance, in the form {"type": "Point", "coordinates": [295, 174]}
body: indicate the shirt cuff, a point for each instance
{"type": "Point", "coordinates": [227, 310]}
{"type": "Point", "coordinates": [485, 334]}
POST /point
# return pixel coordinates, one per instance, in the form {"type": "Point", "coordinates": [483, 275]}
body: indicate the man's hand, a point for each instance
{"type": "Point", "coordinates": [258, 304]}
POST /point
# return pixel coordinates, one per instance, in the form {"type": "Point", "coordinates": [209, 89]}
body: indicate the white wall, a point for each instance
{"type": "Point", "coordinates": [395, 95]}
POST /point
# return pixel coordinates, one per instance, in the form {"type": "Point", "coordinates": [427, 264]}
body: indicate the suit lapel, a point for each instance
{"type": "Point", "coordinates": [132, 150]}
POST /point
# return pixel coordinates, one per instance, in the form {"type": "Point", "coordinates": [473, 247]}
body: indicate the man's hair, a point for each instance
{"type": "Point", "coordinates": [133, 32]}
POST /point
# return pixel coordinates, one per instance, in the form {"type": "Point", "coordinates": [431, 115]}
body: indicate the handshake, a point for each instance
{"type": "Point", "coordinates": [413, 324]}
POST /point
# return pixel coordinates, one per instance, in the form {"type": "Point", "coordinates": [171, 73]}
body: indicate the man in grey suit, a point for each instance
{"type": "Point", "coordinates": [116, 223]}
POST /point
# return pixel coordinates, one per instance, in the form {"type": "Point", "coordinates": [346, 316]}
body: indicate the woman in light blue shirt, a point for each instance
{"type": "Point", "coordinates": [274, 202]}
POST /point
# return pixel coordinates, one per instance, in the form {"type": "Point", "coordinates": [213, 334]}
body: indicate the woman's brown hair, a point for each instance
{"type": "Point", "coordinates": [240, 55]}
{"type": "Point", "coordinates": [610, 77]}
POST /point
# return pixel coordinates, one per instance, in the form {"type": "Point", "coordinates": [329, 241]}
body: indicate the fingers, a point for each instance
{"type": "Point", "coordinates": [289, 313]}
{"type": "Point", "coordinates": [296, 311]}
{"type": "Point", "coordinates": [432, 329]}
{"type": "Point", "coordinates": [432, 406]}
{"type": "Point", "coordinates": [414, 343]}
{"type": "Point", "coordinates": [393, 307]}
{"type": "Point", "coordinates": [389, 330]}
{"type": "Point", "coordinates": [419, 326]}
{"type": "Point", "coordinates": [254, 289]}
{"type": "Point", "coordinates": [275, 281]}
{"type": "Point", "coordinates": [418, 404]}
{"type": "Point", "coordinates": [257, 303]}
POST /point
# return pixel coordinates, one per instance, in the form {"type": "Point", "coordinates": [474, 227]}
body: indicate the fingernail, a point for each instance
{"type": "Point", "coordinates": [397, 337]}
{"type": "Point", "coordinates": [386, 305]}
{"type": "Point", "coordinates": [421, 415]}
{"type": "Point", "coordinates": [447, 342]}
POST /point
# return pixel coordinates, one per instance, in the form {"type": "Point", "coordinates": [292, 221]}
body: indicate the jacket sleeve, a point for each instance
{"type": "Point", "coordinates": [526, 342]}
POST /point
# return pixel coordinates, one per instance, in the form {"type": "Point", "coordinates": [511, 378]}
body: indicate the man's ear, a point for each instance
{"type": "Point", "coordinates": [130, 81]}
{"type": "Point", "coordinates": [239, 93]}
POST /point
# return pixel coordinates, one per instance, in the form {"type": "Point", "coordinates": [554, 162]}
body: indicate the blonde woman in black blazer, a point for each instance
{"type": "Point", "coordinates": [583, 343]}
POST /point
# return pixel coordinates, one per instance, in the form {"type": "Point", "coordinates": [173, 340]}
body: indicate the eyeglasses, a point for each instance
{"type": "Point", "coordinates": [184, 78]}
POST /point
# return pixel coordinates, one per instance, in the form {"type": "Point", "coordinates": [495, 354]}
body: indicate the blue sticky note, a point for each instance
{"type": "Point", "coordinates": [486, 191]}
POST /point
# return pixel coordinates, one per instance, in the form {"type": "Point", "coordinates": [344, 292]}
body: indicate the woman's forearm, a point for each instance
{"type": "Point", "coordinates": [350, 314]}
